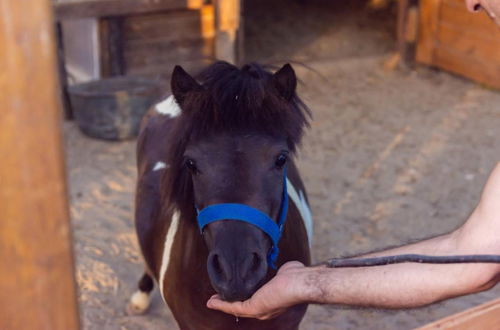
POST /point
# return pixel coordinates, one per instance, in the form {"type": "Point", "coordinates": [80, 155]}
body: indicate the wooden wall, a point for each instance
{"type": "Point", "coordinates": [143, 37]}
{"type": "Point", "coordinates": [453, 39]}
{"type": "Point", "coordinates": [155, 43]}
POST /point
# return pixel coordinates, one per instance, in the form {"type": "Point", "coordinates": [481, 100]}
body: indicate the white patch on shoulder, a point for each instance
{"type": "Point", "coordinates": [168, 107]}
{"type": "Point", "coordinates": [305, 212]}
{"type": "Point", "coordinates": [167, 248]}
{"type": "Point", "coordinates": [159, 166]}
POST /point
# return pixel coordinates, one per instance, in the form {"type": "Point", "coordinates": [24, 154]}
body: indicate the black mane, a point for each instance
{"type": "Point", "coordinates": [229, 100]}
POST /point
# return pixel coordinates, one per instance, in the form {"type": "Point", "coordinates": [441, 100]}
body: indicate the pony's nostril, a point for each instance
{"type": "Point", "coordinates": [216, 264]}
{"type": "Point", "coordinates": [256, 260]}
{"type": "Point", "coordinates": [252, 267]}
{"type": "Point", "coordinates": [219, 268]}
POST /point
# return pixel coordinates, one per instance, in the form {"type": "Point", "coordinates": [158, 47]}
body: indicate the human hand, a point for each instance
{"type": "Point", "coordinates": [492, 8]}
{"type": "Point", "coordinates": [281, 292]}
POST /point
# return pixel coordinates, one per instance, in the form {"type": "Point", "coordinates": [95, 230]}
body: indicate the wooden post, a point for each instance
{"type": "Point", "coordinates": [37, 287]}
{"type": "Point", "coordinates": [92, 8]}
{"type": "Point", "coordinates": [63, 74]}
{"type": "Point", "coordinates": [112, 52]}
{"type": "Point", "coordinates": [428, 25]}
{"type": "Point", "coordinates": [407, 26]}
{"type": "Point", "coordinates": [228, 31]}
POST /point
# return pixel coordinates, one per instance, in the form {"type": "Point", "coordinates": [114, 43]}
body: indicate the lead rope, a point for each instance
{"type": "Point", "coordinates": [418, 258]}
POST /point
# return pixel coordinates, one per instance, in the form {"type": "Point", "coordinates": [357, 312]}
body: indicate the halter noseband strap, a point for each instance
{"type": "Point", "coordinates": [242, 212]}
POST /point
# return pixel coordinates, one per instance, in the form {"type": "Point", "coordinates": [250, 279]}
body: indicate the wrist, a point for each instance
{"type": "Point", "coordinates": [311, 285]}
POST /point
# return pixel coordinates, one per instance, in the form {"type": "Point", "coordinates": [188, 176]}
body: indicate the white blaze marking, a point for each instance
{"type": "Point", "coordinates": [168, 107]}
{"type": "Point", "coordinates": [300, 202]}
{"type": "Point", "coordinates": [159, 166]}
{"type": "Point", "coordinates": [169, 240]}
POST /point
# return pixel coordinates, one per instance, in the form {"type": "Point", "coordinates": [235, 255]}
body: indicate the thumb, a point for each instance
{"type": "Point", "coordinates": [291, 265]}
{"type": "Point", "coordinates": [215, 302]}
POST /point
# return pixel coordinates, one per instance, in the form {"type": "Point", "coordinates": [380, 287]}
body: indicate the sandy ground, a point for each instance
{"type": "Point", "coordinates": [391, 156]}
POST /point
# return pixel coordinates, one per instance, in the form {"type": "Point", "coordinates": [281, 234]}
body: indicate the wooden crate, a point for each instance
{"type": "Point", "coordinates": [453, 39]}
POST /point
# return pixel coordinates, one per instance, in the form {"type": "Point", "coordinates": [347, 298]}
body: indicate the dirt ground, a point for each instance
{"type": "Point", "coordinates": [391, 156]}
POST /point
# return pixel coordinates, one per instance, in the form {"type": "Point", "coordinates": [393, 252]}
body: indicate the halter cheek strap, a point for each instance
{"type": "Point", "coordinates": [245, 213]}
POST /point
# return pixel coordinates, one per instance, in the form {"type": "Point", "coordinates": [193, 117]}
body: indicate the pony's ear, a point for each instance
{"type": "Point", "coordinates": [285, 81]}
{"type": "Point", "coordinates": [182, 83]}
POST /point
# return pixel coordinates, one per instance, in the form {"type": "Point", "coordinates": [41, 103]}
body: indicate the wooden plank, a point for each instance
{"type": "Point", "coordinates": [485, 72]}
{"type": "Point", "coordinates": [115, 38]}
{"type": "Point", "coordinates": [428, 22]}
{"type": "Point", "coordinates": [227, 24]}
{"type": "Point", "coordinates": [208, 31]}
{"type": "Point", "coordinates": [482, 47]}
{"type": "Point", "coordinates": [165, 38]}
{"type": "Point", "coordinates": [165, 25]}
{"type": "Point", "coordinates": [161, 53]}
{"type": "Point", "coordinates": [68, 9]}
{"type": "Point", "coordinates": [104, 51]}
{"type": "Point", "coordinates": [63, 75]}
{"type": "Point", "coordinates": [37, 287]}
{"type": "Point", "coordinates": [112, 45]}
{"type": "Point", "coordinates": [479, 23]}
{"type": "Point", "coordinates": [485, 316]}
{"type": "Point", "coordinates": [164, 70]}
{"type": "Point", "coordinates": [407, 26]}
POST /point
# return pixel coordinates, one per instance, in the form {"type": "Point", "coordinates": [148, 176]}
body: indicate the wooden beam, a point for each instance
{"type": "Point", "coordinates": [37, 287]}
{"type": "Point", "coordinates": [63, 74]}
{"type": "Point", "coordinates": [407, 26]}
{"type": "Point", "coordinates": [112, 47]}
{"type": "Point", "coordinates": [485, 316]}
{"type": "Point", "coordinates": [227, 24]}
{"type": "Point", "coordinates": [68, 9]}
{"type": "Point", "coordinates": [427, 29]}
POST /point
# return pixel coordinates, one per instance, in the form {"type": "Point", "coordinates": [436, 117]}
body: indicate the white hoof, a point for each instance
{"type": "Point", "coordinates": [139, 303]}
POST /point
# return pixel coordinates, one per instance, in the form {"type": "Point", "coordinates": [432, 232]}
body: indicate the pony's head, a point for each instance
{"type": "Point", "coordinates": [231, 143]}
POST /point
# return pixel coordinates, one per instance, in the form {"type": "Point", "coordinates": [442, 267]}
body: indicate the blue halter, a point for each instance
{"type": "Point", "coordinates": [250, 215]}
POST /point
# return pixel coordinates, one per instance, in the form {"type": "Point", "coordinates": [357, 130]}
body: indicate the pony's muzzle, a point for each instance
{"type": "Point", "coordinates": [236, 278]}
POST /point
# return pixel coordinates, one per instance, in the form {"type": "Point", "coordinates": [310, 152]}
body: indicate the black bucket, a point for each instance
{"type": "Point", "coordinates": [112, 108]}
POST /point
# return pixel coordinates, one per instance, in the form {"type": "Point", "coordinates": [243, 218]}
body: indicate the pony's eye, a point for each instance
{"type": "Point", "coordinates": [191, 166]}
{"type": "Point", "coordinates": [281, 161]}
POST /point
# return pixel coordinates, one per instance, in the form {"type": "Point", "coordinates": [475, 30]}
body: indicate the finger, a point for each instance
{"type": "Point", "coordinates": [235, 308]}
{"type": "Point", "coordinates": [241, 309]}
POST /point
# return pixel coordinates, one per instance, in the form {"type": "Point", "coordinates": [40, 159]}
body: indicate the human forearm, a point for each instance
{"type": "Point", "coordinates": [394, 286]}
{"type": "Point", "coordinates": [409, 284]}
